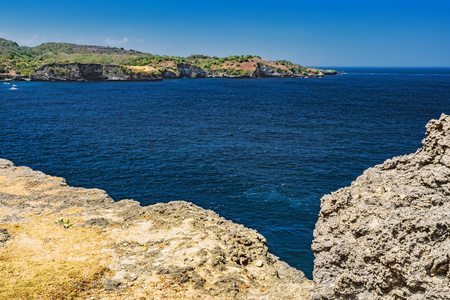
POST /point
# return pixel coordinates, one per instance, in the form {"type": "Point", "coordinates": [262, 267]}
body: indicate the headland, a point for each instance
{"type": "Point", "coordinates": [71, 62]}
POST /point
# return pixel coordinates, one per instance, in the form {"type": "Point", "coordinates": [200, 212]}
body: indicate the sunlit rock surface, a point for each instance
{"type": "Point", "coordinates": [170, 250]}
{"type": "Point", "coordinates": [387, 236]}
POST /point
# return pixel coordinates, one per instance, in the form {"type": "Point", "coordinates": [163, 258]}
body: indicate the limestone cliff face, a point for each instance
{"type": "Point", "coordinates": [260, 71]}
{"type": "Point", "coordinates": [269, 71]}
{"type": "Point", "coordinates": [387, 236]}
{"type": "Point", "coordinates": [191, 71]}
{"type": "Point", "coordinates": [184, 70]}
{"type": "Point", "coordinates": [8, 77]}
{"type": "Point", "coordinates": [82, 72]}
{"type": "Point", "coordinates": [170, 250]}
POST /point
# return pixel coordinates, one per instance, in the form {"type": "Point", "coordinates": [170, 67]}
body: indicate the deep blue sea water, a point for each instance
{"type": "Point", "coordinates": [261, 152]}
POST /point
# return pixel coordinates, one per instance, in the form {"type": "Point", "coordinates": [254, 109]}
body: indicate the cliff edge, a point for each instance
{"type": "Point", "coordinates": [387, 236]}
{"type": "Point", "coordinates": [82, 72]}
{"type": "Point", "coordinates": [60, 242]}
{"type": "Point", "coordinates": [171, 70]}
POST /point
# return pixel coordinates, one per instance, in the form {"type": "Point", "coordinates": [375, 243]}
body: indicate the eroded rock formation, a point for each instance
{"type": "Point", "coordinates": [166, 251]}
{"type": "Point", "coordinates": [387, 236]}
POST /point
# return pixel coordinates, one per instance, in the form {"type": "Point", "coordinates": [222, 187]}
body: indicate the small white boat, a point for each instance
{"type": "Point", "coordinates": [6, 83]}
{"type": "Point", "coordinates": [13, 88]}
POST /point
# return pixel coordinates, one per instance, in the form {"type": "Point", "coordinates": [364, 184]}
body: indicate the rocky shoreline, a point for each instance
{"type": "Point", "coordinates": [170, 250]}
{"type": "Point", "coordinates": [72, 62]}
{"type": "Point", "coordinates": [99, 72]}
{"type": "Point", "coordinates": [387, 236]}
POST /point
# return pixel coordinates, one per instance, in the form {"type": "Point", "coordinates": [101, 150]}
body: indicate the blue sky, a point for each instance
{"type": "Point", "coordinates": [311, 33]}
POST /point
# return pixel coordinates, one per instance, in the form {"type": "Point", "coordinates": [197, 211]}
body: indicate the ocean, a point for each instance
{"type": "Point", "coordinates": [260, 152]}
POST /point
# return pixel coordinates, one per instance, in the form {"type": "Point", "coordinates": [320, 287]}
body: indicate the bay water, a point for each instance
{"type": "Point", "coordinates": [260, 152]}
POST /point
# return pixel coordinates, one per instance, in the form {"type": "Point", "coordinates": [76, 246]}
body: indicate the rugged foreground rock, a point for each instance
{"type": "Point", "coordinates": [58, 242]}
{"type": "Point", "coordinates": [387, 236]}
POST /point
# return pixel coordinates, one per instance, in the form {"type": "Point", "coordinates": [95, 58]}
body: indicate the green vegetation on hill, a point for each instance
{"type": "Point", "coordinates": [24, 60]}
{"type": "Point", "coordinates": [18, 60]}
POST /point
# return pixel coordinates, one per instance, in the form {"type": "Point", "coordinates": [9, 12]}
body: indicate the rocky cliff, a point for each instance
{"type": "Point", "coordinates": [387, 236]}
{"type": "Point", "coordinates": [81, 72]}
{"type": "Point", "coordinates": [13, 78]}
{"type": "Point", "coordinates": [263, 70]}
{"type": "Point", "coordinates": [61, 242]}
{"type": "Point", "coordinates": [19, 62]}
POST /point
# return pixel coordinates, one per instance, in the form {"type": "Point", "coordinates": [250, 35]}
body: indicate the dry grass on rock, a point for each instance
{"type": "Point", "coordinates": [121, 250]}
{"type": "Point", "coordinates": [46, 261]}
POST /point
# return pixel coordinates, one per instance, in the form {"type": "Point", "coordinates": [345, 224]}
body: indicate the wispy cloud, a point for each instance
{"type": "Point", "coordinates": [32, 41]}
{"type": "Point", "coordinates": [110, 41]}
{"type": "Point", "coordinates": [81, 41]}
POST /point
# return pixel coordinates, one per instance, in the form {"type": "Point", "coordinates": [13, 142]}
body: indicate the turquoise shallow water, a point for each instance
{"type": "Point", "coordinates": [261, 152]}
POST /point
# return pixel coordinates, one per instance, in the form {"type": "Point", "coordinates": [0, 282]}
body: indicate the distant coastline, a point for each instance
{"type": "Point", "coordinates": [84, 72]}
{"type": "Point", "coordinates": [71, 62]}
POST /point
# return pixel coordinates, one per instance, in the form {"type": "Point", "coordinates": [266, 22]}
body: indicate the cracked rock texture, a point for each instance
{"type": "Point", "coordinates": [170, 250]}
{"type": "Point", "coordinates": [387, 236]}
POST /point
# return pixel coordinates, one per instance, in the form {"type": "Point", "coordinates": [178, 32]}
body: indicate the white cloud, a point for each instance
{"type": "Point", "coordinates": [110, 41]}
